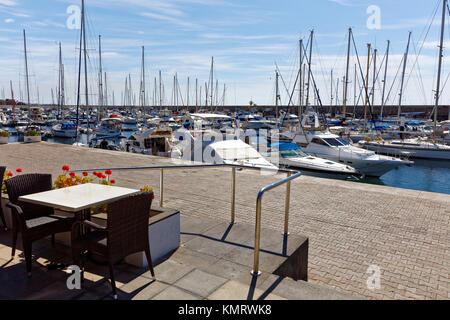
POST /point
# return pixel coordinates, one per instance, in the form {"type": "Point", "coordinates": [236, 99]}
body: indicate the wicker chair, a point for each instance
{"type": "Point", "coordinates": [34, 222]}
{"type": "Point", "coordinates": [2, 215]}
{"type": "Point", "coordinates": [126, 232]}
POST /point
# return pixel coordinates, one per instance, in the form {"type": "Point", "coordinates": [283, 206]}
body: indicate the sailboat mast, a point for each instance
{"type": "Point", "coordinates": [367, 87]}
{"type": "Point", "coordinates": [105, 95]}
{"type": "Point", "coordinates": [160, 91]}
{"type": "Point", "coordinates": [309, 68]}
{"type": "Point", "coordinates": [277, 92]}
{"type": "Point", "coordinates": [155, 95]}
{"type": "Point", "coordinates": [79, 71]}
{"type": "Point", "coordinates": [374, 75]}
{"type": "Point", "coordinates": [196, 95]}
{"type": "Point", "coordinates": [63, 95]}
{"type": "Point", "coordinates": [85, 56]}
{"type": "Point", "coordinates": [354, 89]}
{"type": "Point", "coordinates": [187, 97]}
{"type": "Point", "coordinates": [142, 91]}
{"type": "Point", "coordinates": [211, 88]}
{"type": "Point", "coordinates": [59, 80]}
{"type": "Point", "coordinates": [344, 102]}
{"type": "Point", "coordinates": [100, 76]}
{"type": "Point", "coordinates": [83, 21]}
{"type": "Point", "coordinates": [441, 49]}
{"type": "Point", "coordinates": [403, 78]}
{"type": "Point", "coordinates": [300, 106]}
{"type": "Point", "coordinates": [12, 100]}
{"type": "Point", "coordinates": [331, 90]}
{"type": "Point", "coordinates": [26, 68]}
{"type": "Point", "coordinates": [384, 80]}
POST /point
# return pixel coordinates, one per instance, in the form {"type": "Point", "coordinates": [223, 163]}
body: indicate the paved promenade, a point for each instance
{"type": "Point", "coordinates": [350, 226]}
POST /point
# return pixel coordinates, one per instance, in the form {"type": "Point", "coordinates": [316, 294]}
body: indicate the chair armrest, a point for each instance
{"type": "Point", "coordinates": [18, 213]}
{"type": "Point", "coordinates": [15, 207]}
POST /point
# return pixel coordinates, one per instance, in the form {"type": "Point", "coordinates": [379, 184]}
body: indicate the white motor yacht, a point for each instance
{"type": "Point", "coordinates": [292, 156]}
{"type": "Point", "coordinates": [235, 152]}
{"type": "Point", "coordinates": [332, 147]}
{"type": "Point", "coordinates": [207, 146]}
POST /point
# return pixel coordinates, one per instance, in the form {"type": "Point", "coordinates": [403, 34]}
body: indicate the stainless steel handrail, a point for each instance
{"type": "Point", "coordinates": [291, 175]}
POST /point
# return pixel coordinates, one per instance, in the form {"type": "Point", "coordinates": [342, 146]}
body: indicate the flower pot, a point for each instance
{"type": "Point", "coordinates": [3, 140]}
{"type": "Point", "coordinates": [29, 139]}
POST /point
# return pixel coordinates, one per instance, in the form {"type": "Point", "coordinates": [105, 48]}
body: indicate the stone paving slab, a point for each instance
{"type": "Point", "coordinates": [351, 226]}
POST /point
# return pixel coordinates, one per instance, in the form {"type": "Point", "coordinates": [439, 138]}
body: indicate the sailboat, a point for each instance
{"type": "Point", "coordinates": [64, 129]}
{"type": "Point", "coordinates": [419, 148]}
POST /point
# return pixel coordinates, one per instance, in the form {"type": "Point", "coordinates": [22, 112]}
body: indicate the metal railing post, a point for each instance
{"type": "Point", "coordinates": [286, 206]}
{"type": "Point", "coordinates": [233, 195]}
{"type": "Point", "coordinates": [255, 270]}
{"type": "Point", "coordinates": [161, 188]}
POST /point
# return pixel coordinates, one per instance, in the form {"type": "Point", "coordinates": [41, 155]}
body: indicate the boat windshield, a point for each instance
{"type": "Point", "coordinates": [345, 143]}
{"type": "Point", "coordinates": [293, 153]}
{"type": "Point", "coordinates": [335, 142]}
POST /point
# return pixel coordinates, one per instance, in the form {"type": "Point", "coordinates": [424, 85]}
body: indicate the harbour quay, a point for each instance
{"type": "Point", "coordinates": [365, 241]}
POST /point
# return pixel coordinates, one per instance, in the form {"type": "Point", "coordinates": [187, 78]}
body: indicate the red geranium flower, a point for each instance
{"type": "Point", "coordinates": [65, 168]}
{"type": "Point", "coordinates": [99, 174]}
{"type": "Point", "coordinates": [103, 176]}
{"type": "Point", "coordinates": [10, 174]}
{"type": "Point", "coordinates": [108, 172]}
{"type": "Point", "coordinates": [72, 174]}
{"type": "Point", "coordinates": [18, 170]}
{"type": "Point", "coordinates": [113, 181]}
{"type": "Point", "coordinates": [85, 174]}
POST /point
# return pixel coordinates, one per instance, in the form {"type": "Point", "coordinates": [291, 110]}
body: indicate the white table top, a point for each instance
{"type": "Point", "coordinates": [80, 197]}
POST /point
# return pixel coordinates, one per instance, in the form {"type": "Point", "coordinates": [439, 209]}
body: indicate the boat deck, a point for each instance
{"type": "Point", "coordinates": [350, 226]}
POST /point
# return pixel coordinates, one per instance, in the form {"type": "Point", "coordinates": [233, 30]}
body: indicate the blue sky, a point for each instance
{"type": "Point", "coordinates": [246, 38]}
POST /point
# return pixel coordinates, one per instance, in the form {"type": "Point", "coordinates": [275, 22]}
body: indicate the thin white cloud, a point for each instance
{"type": "Point", "coordinates": [249, 37]}
{"type": "Point", "coordinates": [410, 23]}
{"type": "Point", "coordinates": [8, 2]}
{"type": "Point", "coordinates": [341, 2]}
{"type": "Point", "coordinates": [172, 20]}
{"type": "Point", "coordinates": [9, 20]}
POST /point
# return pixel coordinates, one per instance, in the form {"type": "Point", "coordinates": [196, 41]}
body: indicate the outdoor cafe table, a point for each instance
{"type": "Point", "coordinates": [79, 198]}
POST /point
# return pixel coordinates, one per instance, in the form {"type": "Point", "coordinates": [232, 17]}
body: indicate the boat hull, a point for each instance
{"type": "Point", "coordinates": [64, 133]}
{"type": "Point", "coordinates": [372, 168]}
{"type": "Point", "coordinates": [398, 150]}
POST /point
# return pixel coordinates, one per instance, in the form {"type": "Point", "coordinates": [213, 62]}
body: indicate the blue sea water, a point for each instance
{"type": "Point", "coordinates": [423, 175]}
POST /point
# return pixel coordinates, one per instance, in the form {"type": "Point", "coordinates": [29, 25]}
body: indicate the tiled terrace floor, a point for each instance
{"type": "Point", "coordinates": [213, 262]}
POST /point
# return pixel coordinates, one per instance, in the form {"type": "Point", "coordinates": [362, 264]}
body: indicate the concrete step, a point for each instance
{"type": "Point", "coordinates": [217, 250]}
